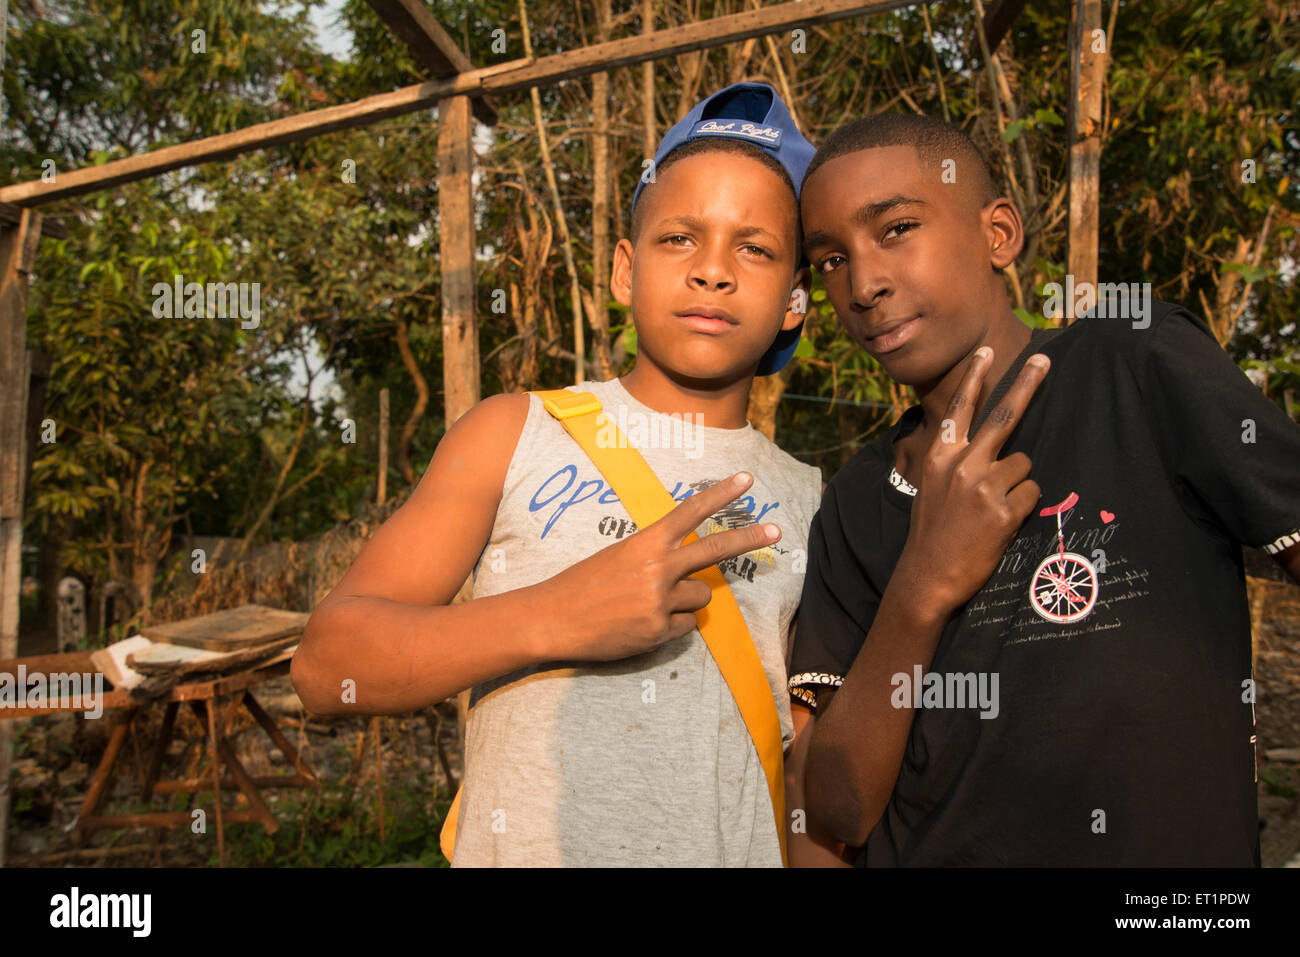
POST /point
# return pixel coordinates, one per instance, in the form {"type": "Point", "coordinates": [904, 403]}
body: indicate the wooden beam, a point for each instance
{"type": "Point", "coordinates": [502, 78]}
{"type": "Point", "coordinates": [1083, 131]}
{"type": "Point", "coordinates": [17, 254]}
{"type": "Point", "coordinates": [460, 358]}
{"type": "Point", "coordinates": [11, 215]}
{"type": "Point", "coordinates": [414, 24]}
{"type": "Point", "coordinates": [460, 353]}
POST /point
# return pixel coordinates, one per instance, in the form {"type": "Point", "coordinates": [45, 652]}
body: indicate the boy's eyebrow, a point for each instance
{"type": "Point", "coordinates": [694, 222]}
{"type": "Point", "coordinates": [864, 215]}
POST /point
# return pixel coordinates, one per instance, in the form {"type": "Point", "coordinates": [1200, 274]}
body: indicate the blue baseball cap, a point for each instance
{"type": "Point", "coordinates": [752, 113]}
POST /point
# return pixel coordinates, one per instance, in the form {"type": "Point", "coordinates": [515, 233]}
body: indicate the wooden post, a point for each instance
{"type": "Point", "coordinates": [649, 132]}
{"type": "Point", "coordinates": [460, 359]}
{"type": "Point", "coordinates": [383, 446]}
{"type": "Point", "coordinates": [1087, 74]}
{"type": "Point", "coordinates": [17, 253]}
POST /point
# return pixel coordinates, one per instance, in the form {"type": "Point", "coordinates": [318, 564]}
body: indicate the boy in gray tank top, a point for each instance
{"type": "Point", "coordinates": [601, 731]}
{"type": "Point", "coordinates": [644, 760]}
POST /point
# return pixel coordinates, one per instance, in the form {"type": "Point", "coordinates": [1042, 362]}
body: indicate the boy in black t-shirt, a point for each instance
{"type": "Point", "coordinates": [1082, 695]}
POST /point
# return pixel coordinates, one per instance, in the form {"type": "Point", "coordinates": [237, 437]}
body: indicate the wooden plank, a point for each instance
{"type": "Point", "coordinates": [246, 783]}
{"type": "Point", "coordinates": [414, 24]}
{"type": "Point", "coordinates": [460, 354]}
{"type": "Point", "coordinates": [11, 215]}
{"type": "Point", "coordinates": [230, 630]}
{"type": "Point", "coordinates": [183, 666]}
{"type": "Point", "coordinates": [64, 661]}
{"type": "Point", "coordinates": [500, 79]}
{"type": "Point", "coordinates": [263, 671]}
{"type": "Point", "coordinates": [277, 666]}
{"type": "Point", "coordinates": [104, 772]}
{"type": "Point", "coordinates": [160, 750]}
{"type": "Point", "coordinates": [17, 255]}
{"type": "Point", "coordinates": [208, 708]}
{"type": "Point", "coordinates": [1083, 130]}
{"type": "Point", "coordinates": [277, 736]}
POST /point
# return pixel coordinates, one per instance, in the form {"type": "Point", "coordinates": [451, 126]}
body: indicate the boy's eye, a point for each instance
{"type": "Point", "coordinates": [901, 228]}
{"type": "Point", "coordinates": [672, 241]}
{"type": "Point", "coordinates": [826, 265]}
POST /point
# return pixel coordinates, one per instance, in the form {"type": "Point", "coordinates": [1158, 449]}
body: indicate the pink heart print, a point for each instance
{"type": "Point", "coordinates": [1107, 517]}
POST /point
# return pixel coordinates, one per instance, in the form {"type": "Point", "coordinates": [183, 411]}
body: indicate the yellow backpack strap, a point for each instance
{"type": "Point", "coordinates": [720, 623]}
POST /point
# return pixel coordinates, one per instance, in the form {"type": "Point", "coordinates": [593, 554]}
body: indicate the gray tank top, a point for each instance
{"type": "Point", "coordinates": [644, 761]}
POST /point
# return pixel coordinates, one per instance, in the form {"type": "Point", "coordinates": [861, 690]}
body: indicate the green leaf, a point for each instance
{"type": "Point", "coordinates": [804, 349]}
{"type": "Point", "coordinates": [1013, 130]}
{"type": "Point", "coordinates": [1049, 117]}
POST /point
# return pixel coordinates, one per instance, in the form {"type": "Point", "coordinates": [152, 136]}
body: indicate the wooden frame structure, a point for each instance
{"type": "Point", "coordinates": [461, 91]}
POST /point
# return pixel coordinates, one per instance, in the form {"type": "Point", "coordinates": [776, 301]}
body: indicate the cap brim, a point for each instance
{"type": "Point", "coordinates": [774, 360]}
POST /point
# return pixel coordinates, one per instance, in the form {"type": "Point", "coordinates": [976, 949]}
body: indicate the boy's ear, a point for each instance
{"type": "Point", "coordinates": [620, 280]}
{"type": "Point", "coordinates": [800, 299]}
{"type": "Point", "coordinates": [1005, 231]}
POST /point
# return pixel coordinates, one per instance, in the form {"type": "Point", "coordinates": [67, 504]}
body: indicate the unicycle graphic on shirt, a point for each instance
{"type": "Point", "coordinates": [1064, 587]}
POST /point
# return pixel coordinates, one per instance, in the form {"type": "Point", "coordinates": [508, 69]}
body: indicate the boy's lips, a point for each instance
{"type": "Point", "coordinates": [888, 336]}
{"type": "Point", "coordinates": [707, 319]}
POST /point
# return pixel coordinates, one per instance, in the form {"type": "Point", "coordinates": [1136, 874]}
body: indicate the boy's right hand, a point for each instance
{"type": "Point", "coordinates": [970, 504]}
{"type": "Point", "coordinates": [637, 594]}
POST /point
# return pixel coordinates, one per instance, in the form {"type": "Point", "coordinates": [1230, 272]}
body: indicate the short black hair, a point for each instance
{"type": "Point", "coordinates": [935, 140]}
{"type": "Point", "coordinates": [718, 144]}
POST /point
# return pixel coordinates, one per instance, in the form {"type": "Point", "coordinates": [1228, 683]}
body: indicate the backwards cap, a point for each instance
{"type": "Point", "coordinates": [752, 113]}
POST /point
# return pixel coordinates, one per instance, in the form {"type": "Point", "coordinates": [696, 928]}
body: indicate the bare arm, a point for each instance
{"type": "Point", "coordinates": [388, 625]}
{"type": "Point", "coordinates": [388, 633]}
{"type": "Point", "coordinates": [808, 845]}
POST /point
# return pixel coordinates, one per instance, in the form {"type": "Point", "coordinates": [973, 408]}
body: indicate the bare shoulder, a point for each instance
{"type": "Point", "coordinates": [427, 548]}
{"type": "Point", "coordinates": [496, 420]}
{"type": "Point", "coordinates": [480, 443]}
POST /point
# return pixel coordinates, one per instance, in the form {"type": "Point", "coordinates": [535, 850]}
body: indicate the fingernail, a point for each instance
{"type": "Point", "coordinates": [983, 352]}
{"type": "Point", "coordinates": [771, 531]}
{"type": "Point", "coordinates": [1038, 359]}
{"type": "Point", "coordinates": [742, 479]}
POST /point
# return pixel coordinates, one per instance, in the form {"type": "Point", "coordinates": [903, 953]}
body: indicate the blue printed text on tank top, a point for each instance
{"type": "Point", "coordinates": [552, 493]}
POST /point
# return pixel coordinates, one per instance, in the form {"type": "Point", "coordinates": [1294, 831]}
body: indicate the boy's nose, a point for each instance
{"type": "Point", "coordinates": [868, 287]}
{"type": "Point", "coordinates": [710, 276]}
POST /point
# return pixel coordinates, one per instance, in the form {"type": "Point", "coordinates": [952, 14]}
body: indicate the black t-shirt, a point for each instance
{"type": "Point", "coordinates": [1124, 727]}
